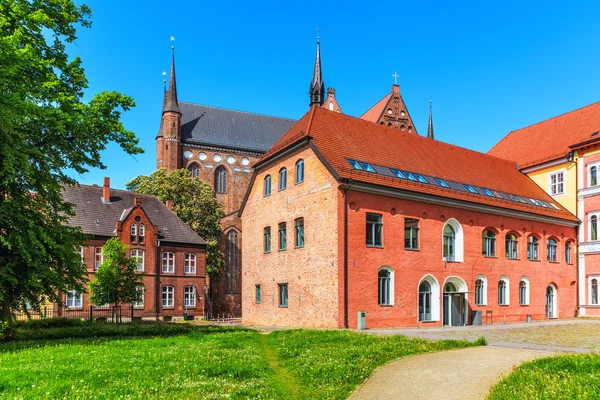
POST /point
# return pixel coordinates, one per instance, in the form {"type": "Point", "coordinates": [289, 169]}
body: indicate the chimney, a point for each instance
{"type": "Point", "coordinates": [396, 89]}
{"type": "Point", "coordinates": [169, 204]}
{"type": "Point", "coordinates": [137, 202]}
{"type": "Point", "coordinates": [106, 191]}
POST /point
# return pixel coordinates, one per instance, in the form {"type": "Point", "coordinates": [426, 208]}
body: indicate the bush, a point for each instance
{"type": "Point", "coordinates": [481, 341]}
{"type": "Point", "coordinates": [3, 329]}
{"type": "Point", "coordinates": [45, 323]}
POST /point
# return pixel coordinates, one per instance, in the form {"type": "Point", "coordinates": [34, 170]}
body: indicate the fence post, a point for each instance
{"type": "Point", "coordinates": [91, 313]}
{"type": "Point", "coordinates": [44, 311]}
{"type": "Point", "coordinates": [131, 312]}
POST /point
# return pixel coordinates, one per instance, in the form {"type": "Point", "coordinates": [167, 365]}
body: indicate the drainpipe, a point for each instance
{"type": "Point", "coordinates": [157, 281]}
{"type": "Point", "coordinates": [346, 187]}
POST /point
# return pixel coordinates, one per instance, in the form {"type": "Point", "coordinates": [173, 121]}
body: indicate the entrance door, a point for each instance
{"type": "Point", "coordinates": [550, 302]}
{"type": "Point", "coordinates": [453, 312]}
{"type": "Point", "coordinates": [456, 309]}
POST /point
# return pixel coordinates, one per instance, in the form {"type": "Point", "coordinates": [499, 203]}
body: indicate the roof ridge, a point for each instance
{"type": "Point", "coordinates": [556, 116]}
{"type": "Point", "coordinates": [112, 190]}
{"type": "Point", "coordinates": [376, 103]}
{"type": "Point", "coordinates": [239, 111]}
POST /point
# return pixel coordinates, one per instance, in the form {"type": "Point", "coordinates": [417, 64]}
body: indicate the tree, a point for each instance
{"type": "Point", "coordinates": [117, 280]}
{"type": "Point", "coordinates": [46, 129]}
{"type": "Point", "coordinates": [195, 202]}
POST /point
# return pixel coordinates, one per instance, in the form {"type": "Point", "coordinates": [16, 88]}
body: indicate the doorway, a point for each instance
{"type": "Point", "coordinates": [551, 302]}
{"type": "Point", "coordinates": [454, 306]}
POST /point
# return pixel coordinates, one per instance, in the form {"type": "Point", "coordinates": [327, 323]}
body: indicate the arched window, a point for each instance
{"type": "Point", "coordinates": [532, 248]}
{"type": "Point", "coordinates": [503, 297]}
{"type": "Point", "coordinates": [194, 170]}
{"type": "Point", "coordinates": [425, 301]}
{"type": "Point", "coordinates": [142, 234]}
{"type": "Point", "coordinates": [551, 248]}
{"type": "Point", "coordinates": [331, 106]}
{"type": "Point", "coordinates": [594, 291]}
{"type": "Point", "coordinates": [385, 289]}
{"type": "Point", "coordinates": [593, 176]}
{"type": "Point", "coordinates": [299, 171]}
{"type": "Point", "coordinates": [594, 227]}
{"type": "Point", "coordinates": [568, 252]}
{"type": "Point", "coordinates": [282, 179]}
{"type": "Point", "coordinates": [232, 262]}
{"type": "Point", "coordinates": [133, 233]}
{"type": "Point", "coordinates": [449, 243]}
{"type": "Point", "coordinates": [524, 291]}
{"type": "Point", "coordinates": [267, 185]}
{"type": "Point", "coordinates": [481, 291]}
{"type": "Point", "coordinates": [511, 246]}
{"type": "Point", "coordinates": [551, 300]}
{"type": "Point", "coordinates": [489, 243]}
{"type": "Point", "coordinates": [221, 180]}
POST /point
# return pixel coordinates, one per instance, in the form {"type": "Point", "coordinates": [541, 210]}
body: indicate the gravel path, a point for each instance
{"type": "Point", "coordinates": [456, 374]}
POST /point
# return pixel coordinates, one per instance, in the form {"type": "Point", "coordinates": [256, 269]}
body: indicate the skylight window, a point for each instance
{"type": "Point", "coordinates": [367, 167]}
{"type": "Point", "coordinates": [488, 192]}
{"type": "Point", "coordinates": [498, 195]}
{"type": "Point", "coordinates": [398, 173]}
{"type": "Point", "coordinates": [471, 189]}
{"type": "Point", "coordinates": [442, 182]}
{"type": "Point", "coordinates": [554, 206]}
{"type": "Point", "coordinates": [410, 176]}
{"type": "Point", "coordinates": [355, 165]}
{"type": "Point", "coordinates": [420, 178]}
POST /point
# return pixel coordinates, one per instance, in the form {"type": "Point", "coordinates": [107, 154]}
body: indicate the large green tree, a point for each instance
{"type": "Point", "coordinates": [46, 129]}
{"type": "Point", "coordinates": [194, 201]}
{"type": "Point", "coordinates": [117, 280]}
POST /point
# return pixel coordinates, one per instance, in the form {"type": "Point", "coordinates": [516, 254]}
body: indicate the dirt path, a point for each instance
{"type": "Point", "coordinates": [456, 374]}
{"type": "Point", "coordinates": [288, 384]}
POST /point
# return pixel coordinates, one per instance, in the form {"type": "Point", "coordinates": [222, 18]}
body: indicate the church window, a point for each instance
{"type": "Point", "coordinates": [245, 161]}
{"type": "Point", "coordinates": [188, 154]}
{"type": "Point", "coordinates": [389, 125]}
{"type": "Point", "coordinates": [385, 289]}
{"type": "Point", "coordinates": [283, 295]}
{"type": "Point", "coordinates": [299, 171]}
{"type": "Point", "coordinates": [221, 180]}
{"type": "Point", "coordinates": [425, 301]}
{"type": "Point", "coordinates": [410, 128]}
{"type": "Point", "coordinates": [411, 234]}
{"type": "Point", "coordinates": [217, 157]}
{"type": "Point", "coordinates": [230, 159]}
{"type": "Point", "coordinates": [202, 156]}
{"type": "Point", "coordinates": [557, 183]}
{"type": "Point", "coordinates": [282, 236]}
{"type": "Point", "coordinates": [194, 170]}
{"type": "Point", "coordinates": [299, 225]}
{"type": "Point", "coordinates": [532, 248]}
{"type": "Point", "coordinates": [551, 248]}
{"type": "Point", "coordinates": [267, 239]}
{"type": "Point", "coordinates": [232, 261]}
{"type": "Point", "coordinates": [402, 127]}
{"type": "Point", "coordinates": [282, 179]}
{"type": "Point", "coordinates": [489, 243]}
{"type": "Point", "coordinates": [511, 246]}
{"type": "Point", "coordinates": [267, 186]}
{"type": "Point", "coordinates": [374, 230]}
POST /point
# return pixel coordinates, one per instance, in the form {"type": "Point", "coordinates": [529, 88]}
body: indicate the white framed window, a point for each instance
{"type": "Point", "coordinates": [453, 242]}
{"type": "Point", "coordinates": [81, 252]}
{"type": "Point", "coordinates": [98, 257]}
{"type": "Point", "coordinates": [593, 226]}
{"type": "Point", "coordinates": [557, 182]}
{"type": "Point", "coordinates": [385, 291]}
{"type": "Point", "coordinates": [481, 290]}
{"type": "Point", "coordinates": [142, 233]}
{"type": "Point", "coordinates": [503, 291]}
{"type": "Point", "coordinates": [429, 299]}
{"type": "Point", "coordinates": [189, 264]}
{"type": "Point", "coordinates": [532, 248]}
{"type": "Point", "coordinates": [524, 291]}
{"type": "Point", "coordinates": [139, 256]}
{"type": "Point", "coordinates": [189, 296]}
{"type": "Point", "coordinates": [73, 299]}
{"type": "Point", "coordinates": [593, 170]}
{"type": "Point", "coordinates": [593, 289]}
{"type": "Point", "coordinates": [140, 304]}
{"type": "Point", "coordinates": [551, 249]}
{"type": "Point", "coordinates": [168, 293]}
{"type": "Point", "coordinates": [168, 262]}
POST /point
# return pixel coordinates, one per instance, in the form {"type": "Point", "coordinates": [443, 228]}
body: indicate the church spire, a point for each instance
{"type": "Point", "coordinates": [430, 126]}
{"type": "Point", "coordinates": [171, 103]}
{"type": "Point", "coordinates": [317, 87]}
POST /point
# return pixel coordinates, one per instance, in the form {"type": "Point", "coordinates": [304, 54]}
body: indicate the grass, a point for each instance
{"type": "Point", "coordinates": [157, 360]}
{"type": "Point", "coordinates": [560, 377]}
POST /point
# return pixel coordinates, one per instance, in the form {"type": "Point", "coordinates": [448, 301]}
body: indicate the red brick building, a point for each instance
{"type": "Point", "coordinates": [170, 254]}
{"type": "Point", "coordinates": [344, 215]}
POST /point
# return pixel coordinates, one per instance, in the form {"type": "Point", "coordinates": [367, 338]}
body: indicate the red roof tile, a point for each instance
{"type": "Point", "coordinates": [549, 139]}
{"type": "Point", "coordinates": [340, 137]}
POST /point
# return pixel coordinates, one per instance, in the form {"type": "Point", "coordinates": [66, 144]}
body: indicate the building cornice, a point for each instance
{"type": "Point", "coordinates": [547, 164]}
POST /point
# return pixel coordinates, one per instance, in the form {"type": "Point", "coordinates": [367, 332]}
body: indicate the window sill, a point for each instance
{"type": "Point", "coordinates": [297, 183]}
{"type": "Point", "coordinates": [554, 262]}
{"type": "Point", "coordinates": [489, 256]}
{"type": "Point", "coordinates": [189, 273]}
{"type": "Point", "coordinates": [386, 305]}
{"type": "Point", "coordinates": [430, 321]}
{"type": "Point", "coordinates": [281, 190]}
{"type": "Point", "coordinates": [168, 272]}
{"type": "Point", "coordinates": [283, 307]}
{"type": "Point", "coordinates": [374, 247]}
{"type": "Point", "coordinates": [513, 259]}
{"type": "Point", "coordinates": [412, 249]}
{"type": "Point", "coordinates": [267, 252]}
{"type": "Point", "coordinates": [266, 195]}
{"type": "Point", "coordinates": [189, 308]}
{"type": "Point", "coordinates": [168, 307]}
{"type": "Point", "coordinates": [300, 247]}
{"type": "Point", "coordinates": [534, 260]}
{"type": "Point", "coordinates": [504, 305]}
{"type": "Point", "coordinates": [282, 250]}
{"type": "Point", "coordinates": [524, 305]}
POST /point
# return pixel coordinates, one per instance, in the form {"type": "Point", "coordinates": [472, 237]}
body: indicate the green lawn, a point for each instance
{"type": "Point", "coordinates": [560, 377]}
{"type": "Point", "coordinates": [180, 361]}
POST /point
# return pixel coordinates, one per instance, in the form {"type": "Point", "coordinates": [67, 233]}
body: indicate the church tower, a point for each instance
{"type": "Point", "coordinates": [317, 87]}
{"type": "Point", "coordinates": [430, 125]}
{"type": "Point", "coordinates": [168, 144]}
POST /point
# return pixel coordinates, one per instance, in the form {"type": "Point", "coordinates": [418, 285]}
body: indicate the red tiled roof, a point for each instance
{"type": "Point", "coordinates": [374, 113]}
{"type": "Point", "coordinates": [340, 137]}
{"type": "Point", "coordinates": [549, 139]}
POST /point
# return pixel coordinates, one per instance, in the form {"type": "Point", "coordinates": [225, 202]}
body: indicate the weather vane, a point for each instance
{"type": "Point", "coordinates": [395, 75]}
{"type": "Point", "coordinates": [318, 33]}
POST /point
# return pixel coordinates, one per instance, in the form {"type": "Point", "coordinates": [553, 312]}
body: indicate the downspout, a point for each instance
{"type": "Point", "coordinates": [157, 281]}
{"type": "Point", "coordinates": [580, 217]}
{"type": "Point", "coordinates": [346, 187]}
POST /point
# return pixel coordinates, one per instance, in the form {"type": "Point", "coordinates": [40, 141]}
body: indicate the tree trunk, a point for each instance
{"type": "Point", "coordinates": [7, 316]}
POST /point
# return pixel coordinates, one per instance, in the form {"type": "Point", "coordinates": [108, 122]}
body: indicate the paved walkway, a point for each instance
{"type": "Point", "coordinates": [455, 374]}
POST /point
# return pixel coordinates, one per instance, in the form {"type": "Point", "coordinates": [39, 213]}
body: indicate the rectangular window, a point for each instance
{"type": "Point", "coordinates": [81, 252]}
{"type": "Point", "coordinates": [374, 230]}
{"type": "Point", "coordinates": [479, 292]}
{"type": "Point", "coordinates": [167, 296]}
{"type": "Point", "coordinates": [283, 295]}
{"type": "Point", "coordinates": [267, 239]}
{"type": "Point", "coordinates": [138, 255]}
{"type": "Point", "coordinates": [299, 232]}
{"type": "Point", "coordinates": [557, 183]}
{"type": "Point", "coordinates": [98, 257]}
{"type": "Point", "coordinates": [282, 236]}
{"type": "Point", "coordinates": [168, 262]}
{"type": "Point", "coordinates": [73, 299]}
{"type": "Point", "coordinates": [411, 234]}
{"type": "Point", "coordinates": [140, 291]}
{"type": "Point", "coordinates": [568, 252]}
{"type": "Point", "coordinates": [189, 264]}
{"type": "Point", "coordinates": [189, 296]}
{"type": "Point", "coordinates": [257, 294]}
{"type": "Point", "coordinates": [523, 294]}
{"type": "Point", "coordinates": [300, 171]}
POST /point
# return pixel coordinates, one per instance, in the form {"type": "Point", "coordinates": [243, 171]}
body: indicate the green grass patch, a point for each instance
{"type": "Point", "coordinates": [331, 364]}
{"type": "Point", "coordinates": [573, 376]}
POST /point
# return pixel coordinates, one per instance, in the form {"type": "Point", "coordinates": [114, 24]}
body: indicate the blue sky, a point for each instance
{"type": "Point", "coordinates": [490, 67]}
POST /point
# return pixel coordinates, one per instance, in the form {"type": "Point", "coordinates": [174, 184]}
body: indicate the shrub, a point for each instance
{"type": "Point", "coordinates": [45, 323]}
{"type": "Point", "coordinates": [3, 329]}
{"type": "Point", "coordinates": [481, 341]}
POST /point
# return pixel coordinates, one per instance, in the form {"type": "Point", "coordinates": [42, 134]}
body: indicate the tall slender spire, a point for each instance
{"type": "Point", "coordinates": [317, 86]}
{"type": "Point", "coordinates": [171, 104]}
{"type": "Point", "coordinates": [430, 126]}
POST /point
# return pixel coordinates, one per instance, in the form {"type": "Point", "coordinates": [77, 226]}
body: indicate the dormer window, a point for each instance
{"type": "Point", "coordinates": [142, 234]}
{"type": "Point", "coordinates": [133, 233]}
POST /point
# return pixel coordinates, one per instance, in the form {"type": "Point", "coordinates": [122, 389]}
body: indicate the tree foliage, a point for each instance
{"type": "Point", "coordinates": [194, 201]}
{"type": "Point", "coordinates": [117, 280]}
{"type": "Point", "coordinates": [45, 129]}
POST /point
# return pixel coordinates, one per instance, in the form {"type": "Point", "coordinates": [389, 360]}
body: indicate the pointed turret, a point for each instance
{"type": "Point", "coordinates": [430, 126]}
{"type": "Point", "coordinates": [317, 87]}
{"type": "Point", "coordinates": [171, 103]}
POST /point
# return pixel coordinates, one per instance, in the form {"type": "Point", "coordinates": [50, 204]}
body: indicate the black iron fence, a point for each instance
{"type": "Point", "coordinates": [98, 314]}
